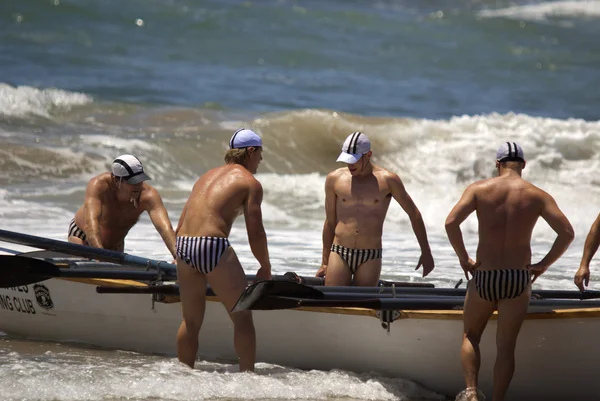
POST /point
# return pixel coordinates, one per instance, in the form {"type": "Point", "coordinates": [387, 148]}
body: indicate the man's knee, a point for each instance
{"type": "Point", "coordinates": [242, 320]}
{"type": "Point", "coordinates": [473, 337]}
{"type": "Point", "coordinates": [506, 347]}
{"type": "Point", "coordinates": [192, 324]}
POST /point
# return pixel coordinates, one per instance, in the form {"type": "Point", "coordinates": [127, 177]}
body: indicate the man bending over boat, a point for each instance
{"type": "Point", "coordinates": [113, 204]}
{"type": "Point", "coordinates": [507, 208]}
{"type": "Point", "coordinates": [204, 254]}
{"type": "Point", "coordinates": [357, 198]}
{"type": "Point", "coordinates": [592, 241]}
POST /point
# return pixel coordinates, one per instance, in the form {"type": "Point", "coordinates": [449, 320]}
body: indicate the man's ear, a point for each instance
{"type": "Point", "coordinates": [370, 153]}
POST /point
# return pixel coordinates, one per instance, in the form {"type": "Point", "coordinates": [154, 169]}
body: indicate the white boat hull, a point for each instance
{"type": "Point", "coordinates": [554, 359]}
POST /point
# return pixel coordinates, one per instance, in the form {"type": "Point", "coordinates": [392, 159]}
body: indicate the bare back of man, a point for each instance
{"type": "Point", "coordinates": [112, 207]}
{"type": "Point", "coordinates": [204, 255]}
{"type": "Point", "coordinates": [507, 209]}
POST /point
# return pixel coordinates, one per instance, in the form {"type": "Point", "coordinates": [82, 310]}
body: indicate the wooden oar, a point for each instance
{"type": "Point", "coordinates": [85, 251]}
{"type": "Point", "coordinates": [173, 289]}
{"type": "Point", "coordinates": [461, 292]}
{"type": "Point", "coordinates": [291, 276]}
{"type": "Point", "coordinates": [167, 289]}
{"type": "Point", "coordinates": [19, 270]}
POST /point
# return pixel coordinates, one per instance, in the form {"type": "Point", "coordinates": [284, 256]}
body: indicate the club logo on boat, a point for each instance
{"type": "Point", "coordinates": [42, 296]}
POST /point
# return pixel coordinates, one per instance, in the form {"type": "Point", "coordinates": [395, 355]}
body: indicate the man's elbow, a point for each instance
{"type": "Point", "coordinates": [414, 214]}
{"type": "Point", "coordinates": [257, 234]}
{"type": "Point", "coordinates": [329, 226]}
{"type": "Point", "coordinates": [451, 224]}
{"type": "Point", "coordinates": [568, 234]}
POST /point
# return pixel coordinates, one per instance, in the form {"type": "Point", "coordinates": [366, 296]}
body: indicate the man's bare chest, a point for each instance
{"type": "Point", "coordinates": [120, 215]}
{"type": "Point", "coordinates": [363, 194]}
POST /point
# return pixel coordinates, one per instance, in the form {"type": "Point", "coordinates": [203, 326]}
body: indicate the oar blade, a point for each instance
{"type": "Point", "coordinates": [19, 270]}
{"type": "Point", "coordinates": [259, 296]}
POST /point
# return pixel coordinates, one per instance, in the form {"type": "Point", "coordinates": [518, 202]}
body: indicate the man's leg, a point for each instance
{"type": "Point", "coordinates": [511, 314]}
{"type": "Point", "coordinates": [476, 314]}
{"type": "Point", "coordinates": [192, 292]}
{"type": "Point", "coordinates": [367, 274]}
{"type": "Point", "coordinates": [76, 240]}
{"type": "Point", "coordinates": [228, 281]}
{"type": "Point", "coordinates": [338, 272]}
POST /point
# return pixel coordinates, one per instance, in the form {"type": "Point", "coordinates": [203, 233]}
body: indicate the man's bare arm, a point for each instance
{"type": "Point", "coordinates": [329, 224]}
{"type": "Point", "coordinates": [182, 217]}
{"type": "Point", "coordinates": [254, 225]}
{"type": "Point", "coordinates": [92, 211]}
{"type": "Point", "coordinates": [416, 220]}
{"type": "Point", "coordinates": [592, 242]}
{"type": "Point", "coordinates": [160, 219]}
{"type": "Point", "coordinates": [562, 227]}
{"type": "Point", "coordinates": [405, 201]}
{"type": "Point", "coordinates": [459, 213]}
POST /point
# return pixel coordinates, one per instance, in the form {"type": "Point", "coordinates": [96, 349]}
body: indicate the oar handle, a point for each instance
{"type": "Point", "coordinates": [85, 251]}
{"type": "Point", "coordinates": [162, 289]}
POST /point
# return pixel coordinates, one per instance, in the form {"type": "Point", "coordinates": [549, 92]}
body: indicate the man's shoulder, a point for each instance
{"type": "Point", "coordinates": [384, 172]}
{"type": "Point", "coordinates": [338, 172]}
{"type": "Point", "coordinates": [481, 185]}
{"type": "Point", "coordinates": [100, 182]}
{"type": "Point", "coordinates": [336, 176]}
{"type": "Point", "coordinates": [149, 190]}
{"type": "Point", "coordinates": [483, 182]}
{"type": "Point", "coordinates": [534, 190]}
{"type": "Point", "coordinates": [498, 182]}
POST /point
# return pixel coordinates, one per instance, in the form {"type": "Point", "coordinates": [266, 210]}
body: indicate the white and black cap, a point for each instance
{"type": "Point", "coordinates": [244, 138]}
{"type": "Point", "coordinates": [356, 145]}
{"type": "Point", "coordinates": [129, 168]}
{"type": "Point", "coordinates": [510, 151]}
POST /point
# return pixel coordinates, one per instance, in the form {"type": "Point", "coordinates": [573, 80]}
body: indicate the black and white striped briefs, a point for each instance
{"type": "Point", "coordinates": [495, 285]}
{"type": "Point", "coordinates": [356, 257]}
{"type": "Point", "coordinates": [75, 231]}
{"type": "Point", "coordinates": [202, 253]}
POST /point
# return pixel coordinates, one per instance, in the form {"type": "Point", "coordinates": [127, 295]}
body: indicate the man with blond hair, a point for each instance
{"type": "Point", "coordinates": [204, 254]}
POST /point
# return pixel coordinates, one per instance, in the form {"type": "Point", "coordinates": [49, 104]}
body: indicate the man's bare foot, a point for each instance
{"type": "Point", "coordinates": [470, 394]}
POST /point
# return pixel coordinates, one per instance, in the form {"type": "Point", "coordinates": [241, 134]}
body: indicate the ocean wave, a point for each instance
{"type": "Point", "coordinates": [176, 148]}
{"type": "Point", "coordinates": [22, 101]}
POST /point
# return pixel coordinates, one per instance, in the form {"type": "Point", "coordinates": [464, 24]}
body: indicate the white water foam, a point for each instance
{"type": "Point", "coordinates": [21, 101]}
{"type": "Point", "coordinates": [547, 10]}
{"type": "Point", "coordinates": [68, 374]}
{"type": "Point", "coordinates": [441, 158]}
{"type": "Point", "coordinates": [118, 144]}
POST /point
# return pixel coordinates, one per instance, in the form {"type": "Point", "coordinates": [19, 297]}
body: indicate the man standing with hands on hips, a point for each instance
{"type": "Point", "coordinates": [507, 208]}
